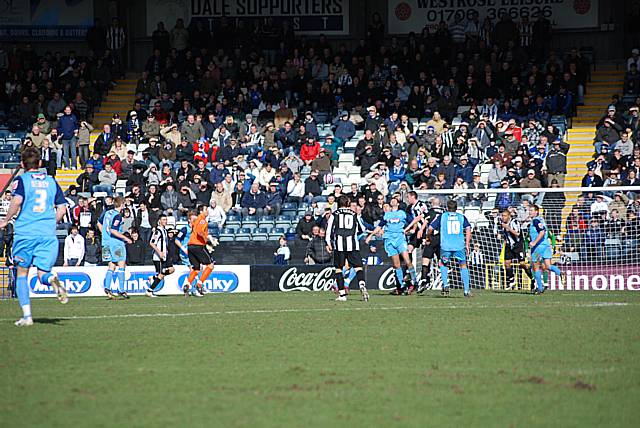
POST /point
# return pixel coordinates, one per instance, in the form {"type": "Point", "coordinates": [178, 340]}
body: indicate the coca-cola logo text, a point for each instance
{"type": "Point", "coordinates": [292, 280]}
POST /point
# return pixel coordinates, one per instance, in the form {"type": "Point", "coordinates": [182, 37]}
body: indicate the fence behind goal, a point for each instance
{"type": "Point", "coordinates": [594, 233]}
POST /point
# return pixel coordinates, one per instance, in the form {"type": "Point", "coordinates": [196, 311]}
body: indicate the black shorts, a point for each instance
{"type": "Point", "coordinates": [353, 257]}
{"type": "Point", "coordinates": [516, 253]}
{"type": "Point", "coordinates": [413, 241]}
{"type": "Point", "coordinates": [162, 265]}
{"type": "Point", "coordinates": [198, 256]}
{"type": "Point", "coordinates": [431, 248]}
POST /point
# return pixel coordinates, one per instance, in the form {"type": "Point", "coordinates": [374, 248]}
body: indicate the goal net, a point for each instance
{"type": "Point", "coordinates": [593, 234]}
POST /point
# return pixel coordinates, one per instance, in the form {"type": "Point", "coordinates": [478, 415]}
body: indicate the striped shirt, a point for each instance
{"type": "Point", "coordinates": [419, 209]}
{"type": "Point", "coordinates": [160, 239]}
{"type": "Point", "coordinates": [115, 38]}
{"type": "Point", "coordinates": [511, 239]}
{"type": "Point", "coordinates": [343, 229]}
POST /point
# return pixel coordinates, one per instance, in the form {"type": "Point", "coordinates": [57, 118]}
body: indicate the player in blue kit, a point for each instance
{"type": "Point", "coordinates": [395, 243]}
{"type": "Point", "coordinates": [114, 249]}
{"type": "Point", "coordinates": [455, 242]}
{"type": "Point", "coordinates": [39, 204]}
{"type": "Point", "coordinates": [541, 251]}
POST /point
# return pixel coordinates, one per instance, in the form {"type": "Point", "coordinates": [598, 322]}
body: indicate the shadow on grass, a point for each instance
{"type": "Point", "coordinates": [52, 321]}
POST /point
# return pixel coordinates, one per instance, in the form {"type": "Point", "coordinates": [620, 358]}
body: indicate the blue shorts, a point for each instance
{"type": "Point", "coordinates": [40, 252]}
{"type": "Point", "coordinates": [447, 255]}
{"type": "Point", "coordinates": [395, 245]}
{"type": "Point", "coordinates": [542, 253]}
{"type": "Point", "coordinates": [114, 252]}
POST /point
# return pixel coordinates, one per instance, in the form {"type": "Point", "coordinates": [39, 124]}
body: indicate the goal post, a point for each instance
{"type": "Point", "coordinates": [593, 232]}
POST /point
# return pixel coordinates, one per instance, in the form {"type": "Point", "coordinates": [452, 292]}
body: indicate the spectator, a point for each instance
{"type": "Point", "coordinates": [88, 179]}
{"type": "Point", "coordinates": [68, 130]}
{"type": "Point", "coordinates": [84, 134]}
{"type": "Point", "coordinates": [216, 216]}
{"type": "Point", "coordinates": [312, 188]}
{"type": "Point", "coordinates": [282, 254]}
{"type": "Point", "coordinates": [305, 227]}
{"type": "Point", "coordinates": [92, 249]}
{"type": "Point", "coordinates": [253, 202]}
{"type": "Point", "coordinates": [316, 252]}
{"type": "Point", "coordinates": [74, 247]}
{"type": "Point", "coordinates": [135, 249]}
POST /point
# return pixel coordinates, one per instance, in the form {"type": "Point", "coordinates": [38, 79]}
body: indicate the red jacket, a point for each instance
{"type": "Point", "coordinates": [309, 153]}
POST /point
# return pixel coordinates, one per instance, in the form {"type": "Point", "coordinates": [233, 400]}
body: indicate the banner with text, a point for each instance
{"type": "Point", "coordinates": [330, 17]}
{"type": "Point", "coordinates": [321, 278]}
{"type": "Point", "coordinates": [413, 15]}
{"type": "Point", "coordinates": [88, 281]}
{"type": "Point", "coordinates": [51, 20]}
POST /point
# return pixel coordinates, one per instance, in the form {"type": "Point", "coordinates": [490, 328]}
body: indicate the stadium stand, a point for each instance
{"type": "Point", "coordinates": [421, 112]}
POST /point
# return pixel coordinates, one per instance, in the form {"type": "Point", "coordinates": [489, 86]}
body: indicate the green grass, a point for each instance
{"type": "Point", "coordinates": [301, 359]}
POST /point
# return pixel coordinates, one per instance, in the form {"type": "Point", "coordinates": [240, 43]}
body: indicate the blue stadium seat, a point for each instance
{"type": "Point", "coordinates": [214, 230]}
{"type": "Point", "coordinates": [234, 217]}
{"type": "Point", "coordinates": [267, 221]}
{"type": "Point", "coordinates": [276, 232]}
{"type": "Point", "coordinates": [228, 234]}
{"type": "Point", "coordinates": [251, 222]}
{"type": "Point", "coordinates": [244, 234]}
{"type": "Point", "coordinates": [283, 221]}
{"type": "Point", "coordinates": [260, 234]}
{"type": "Point", "coordinates": [291, 234]}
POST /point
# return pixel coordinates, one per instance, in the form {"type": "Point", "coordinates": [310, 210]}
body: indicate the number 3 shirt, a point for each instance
{"type": "Point", "coordinates": [40, 195]}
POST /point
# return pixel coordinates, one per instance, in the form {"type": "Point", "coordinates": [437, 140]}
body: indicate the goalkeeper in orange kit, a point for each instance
{"type": "Point", "coordinates": [199, 257]}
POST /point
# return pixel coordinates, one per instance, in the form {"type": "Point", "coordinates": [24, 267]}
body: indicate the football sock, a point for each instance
{"type": "Point", "coordinates": [464, 274]}
{"type": "Point", "coordinates": [22, 290]}
{"type": "Point", "coordinates": [340, 283]}
{"type": "Point", "coordinates": [46, 278]}
{"type": "Point", "coordinates": [360, 278]}
{"type": "Point", "coordinates": [205, 273]}
{"type": "Point", "coordinates": [555, 270]}
{"type": "Point", "coordinates": [425, 271]}
{"type": "Point", "coordinates": [444, 272]}
{"type": "Point", "coordinates": [192, 276]}
{"type": "Point", "coordinates": [412, 274]}
{"type": "Point", "coordinates": [108, 278]}
{"type": "Point", "coordinates": [527, 270]}
{"type": "Point", "coordinates": [155, 282]}
{"type": "Point", "coordinates": [538, 276]}
{"type": "Point", "coordinates": [120, 276]}
{"type": "Point", "coordinates": [510, 275]}
{"type": "Point", "coordinates": [400, 277]}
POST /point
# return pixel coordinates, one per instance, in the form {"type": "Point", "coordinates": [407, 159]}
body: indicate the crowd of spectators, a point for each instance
{"type": "Point", "coordinates": [234, 119]}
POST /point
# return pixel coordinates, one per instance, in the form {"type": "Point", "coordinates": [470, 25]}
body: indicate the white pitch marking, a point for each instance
{"type": "Point", "coordinates": [332, 309]}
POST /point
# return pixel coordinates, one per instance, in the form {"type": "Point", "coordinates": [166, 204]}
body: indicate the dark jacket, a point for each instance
{"type": "Point", "coordinates": [67, 125]}
{"type": "Point", "coordinates": [317, 250]}
{"type": "Point", "coordinates": [135, 253]}
{"type": "Point", "coordinates": [86, 181]}
{"type": "Point", "coordinates": [253, 200]}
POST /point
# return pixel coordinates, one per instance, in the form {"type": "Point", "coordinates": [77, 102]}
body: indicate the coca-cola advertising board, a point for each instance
{"type": "Point", "coordinates": [314, 278]}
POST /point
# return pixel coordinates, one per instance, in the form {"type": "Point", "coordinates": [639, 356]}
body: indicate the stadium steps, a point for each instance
{"type": "Point", "coordinates": [119, 100]}
{"type": "Point", "coordinates": [606, 81]}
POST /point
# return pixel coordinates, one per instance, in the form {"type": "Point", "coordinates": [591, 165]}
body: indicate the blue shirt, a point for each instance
{"type": "Point", "coordinates": [40, 195]}
{"type": "Point", "coordinates": [394, 223]}
{"type": "Point", "coordinates": [536, 228]}
{"type": "Point", "coordinates": [110, 220]}
{"type": "Point", "coordinates": [452, 227]}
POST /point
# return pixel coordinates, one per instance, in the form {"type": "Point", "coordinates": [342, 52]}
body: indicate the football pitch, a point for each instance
{"type": "Point", "coordinates": [301, 359]}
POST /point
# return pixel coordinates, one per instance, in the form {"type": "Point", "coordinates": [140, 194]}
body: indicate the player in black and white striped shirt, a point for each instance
{"type": "Point", "coordinates": [160, 244]}
{"type": "Point", "coordinates": [510, 229]}
{"type": "Point", "coordinates": [343, 228]}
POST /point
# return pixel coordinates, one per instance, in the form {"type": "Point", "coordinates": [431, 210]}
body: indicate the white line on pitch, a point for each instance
{"type": "Point", "coordinates": [331, 309]}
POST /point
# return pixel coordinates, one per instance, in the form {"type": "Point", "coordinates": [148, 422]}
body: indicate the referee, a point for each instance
{"type": "Point", "coordinates": [164, 264]}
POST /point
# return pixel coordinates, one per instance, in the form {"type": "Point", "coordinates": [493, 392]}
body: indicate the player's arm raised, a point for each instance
{"type": "Point", "coordinates": [413, 223]}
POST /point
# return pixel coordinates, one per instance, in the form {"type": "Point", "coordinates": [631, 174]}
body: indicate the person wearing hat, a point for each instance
{"type": "Point", "coordinates": [43, 124]}
{"type": "Point", "coordinates": [273, 198]}
{"type": "Point", "coordinates": [150, 128]}
{"type": "Point", "coordinates": [310, 125]}
{"type": "Point", "coordinates": [343, 128]}
{"type": "Point", "coordinates": [373, 119]}
{"type": "Point", "coordinates": [591, 179]}
{"type": "Point", "coordinates": [608, 133]}
{"type": "Point", "coordinates": [172, 134]}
